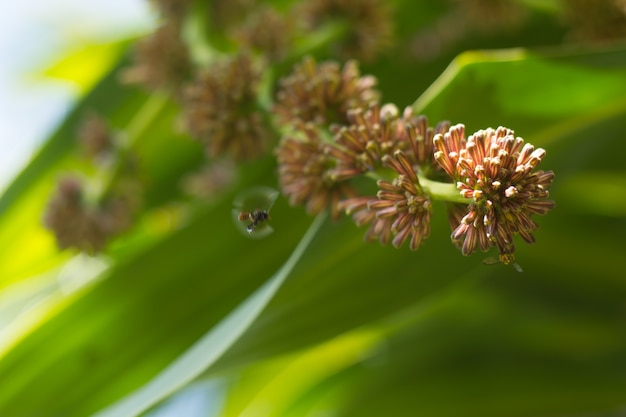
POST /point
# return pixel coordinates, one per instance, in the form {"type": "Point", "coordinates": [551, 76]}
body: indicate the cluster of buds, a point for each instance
{"type": "Point", "coordinates": [81, 219]}
{"type": "Point", "coordinates": [322, 93]}
{"type": "Point", "coordinates": [267, 32]}
{"type": "Point", "coordinates": [587, 21]}
{"type": "Point", "coordinates": [368, 24]}
{"type": "Point", "coordinates": [596, 21]}
{"type": "Point", "coordinates": [488, 179]}
{"type": "Point", "coordinates": [334, 129]}
{"type": "Point", "coordinates": [161, 60]}
{"type": "Point", "coordinates": [221, 99]}
{"type": "Point", "coordinates": [221, 108]}
{"type": "Point", "coordinates": [80, 225]}
{"type": "Point", "coordinates": [495, 171]}
{"type": "Point", "coordinates": [464, 19]}
{"type": "Point", "coordinates": [95, 138]}
{"type": "Point", "coordinates": [172, 9]}
{"type": "Point", "coordinates": [309, 100]}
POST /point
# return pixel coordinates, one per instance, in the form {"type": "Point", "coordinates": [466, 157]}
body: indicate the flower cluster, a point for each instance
{"type": "Point", "coordinates": [161, 60]}
{"type": "Point", "coordinates": [599, 21]}
{"type": "Point", "coordinates": [323, 93]}
{"type": "Point", "coordinates": [360, 146]}
{"type": "Point", "coordinates": [488, 179]}
{"type": "Point", "coordinates": [266, 31]}
{"type": "Point", "coordinates": [400, 210]}
{"type": "Point", "coordinates": [221, 109]}
{"type": "Point", "coordinates": [77, 224]}
{"type": "Point", "coordinates": [335, 134]}
{"type": "Point", "coordinates": [226, 14]}
{"type": "Point", "coordinates": [466, 18]}
{"type": "Point", "coordinates": [95, 137]}
{"type": "Point", "coordinates": [368, 23]}
{"type": "Point", "coordinates": [308, 101]}
{"type": "Point", "coordinates": [88, 220]}
{"type": "Point", "coordinates": [489, 15]}
{"type": "Point", "coordinates": [495, 171]}
{"type": "Point", "coordinates": [83, 231]}
{"type": "Point", "coordinates": [174, 9]}
{"type": "Point", "coordinates": [305, 172]}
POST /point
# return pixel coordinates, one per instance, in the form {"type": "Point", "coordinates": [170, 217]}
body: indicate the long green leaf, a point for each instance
{"type": "Point", "coordinates": [212, 345]}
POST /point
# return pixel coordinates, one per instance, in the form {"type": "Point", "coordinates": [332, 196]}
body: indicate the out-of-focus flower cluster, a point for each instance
{"type": "Point", "coordinates": [367, 23]}
{"type": "Point", "coordinates": [161, 60]}
{"type": "Point", "coordinates": [216, 73]}
{"type": "Point", "coordinates": [81, 220]}
{"type": "Point", "coordinates": [221, 109]}
{"type": "Point", "coordinates": [581, 21]}
{"type": "Point", "coordinates": [596, 21]}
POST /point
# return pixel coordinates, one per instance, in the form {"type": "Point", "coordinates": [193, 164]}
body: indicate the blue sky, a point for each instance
{"type": "Point", "coordinates": [32, 34]}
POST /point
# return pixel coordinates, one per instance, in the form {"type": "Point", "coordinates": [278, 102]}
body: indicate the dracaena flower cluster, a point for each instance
{"type": "Point", "coordinates": [360, 146]}
{"type": "Point", "coordinates": [304, 172]}
{"type": "Point", "coordinates": [334, 134]}
{"type": "Point", "coordinates": [173, 9]}
{"type": "Point", "coordinates": [488, 179]}
{"type": "Point", "coordinates": [266, 31]}
{"type": "Point", "coordinates": [323, 92]}
{"type": "Point", "coordinates": [401, 208]}
{"type": "Point", "coordinates": [368, 23]}
{"type": "Point", "coordinates": [495, 171]}
{"type": "Point", "coordinates": [308, 101]}
{"type": "Point", "coordinates": [161, 60]}
{"type": "Point", "coordinates": [74, 214]}
{"type": "Point", "coordinates": [400, 211]}
{"type": "Point", "coordinates": [87, 227]}
{"type": "Point", "coordinates": [221, 108]}
{"type": "Point", "coordinates": [596, 21]}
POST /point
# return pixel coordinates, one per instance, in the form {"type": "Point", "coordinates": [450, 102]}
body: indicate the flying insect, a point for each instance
{"type": "Point", "coordinates": [252, 207]}
{"type": "Point", "coordinates": [256, 217]}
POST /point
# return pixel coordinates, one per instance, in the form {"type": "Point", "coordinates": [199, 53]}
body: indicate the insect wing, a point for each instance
{"type": "Point", "coordinates": [257, 198]}
{"type": "Point", "coordinates": [495, 261]}
{"type": "Point", "coordinates": [259, 231]}
{"type": "Point", "coordinates": [491, 261]}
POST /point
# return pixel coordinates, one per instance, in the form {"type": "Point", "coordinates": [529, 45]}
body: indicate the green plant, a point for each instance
{"type": "Point", "coordinates": [157, 294]}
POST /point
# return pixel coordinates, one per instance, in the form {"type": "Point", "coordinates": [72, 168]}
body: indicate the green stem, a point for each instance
{"type": "Point", "coordinates": [136, 128]}
{"type": "Point", "coordinates": [442, 191]}
{"type": "Point", "coordinates": [324, 36]}
{"type": "Point", "coordinates": [146, 115]}
{"type": "Point", "coordinates": [195, 34]}
{"type": "Point", "coordinates": [380, 174]}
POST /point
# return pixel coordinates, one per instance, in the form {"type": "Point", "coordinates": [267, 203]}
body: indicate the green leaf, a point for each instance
{"type": "Point", "coordinates": [494, 336]}
{"type": "Point", "coordinates": [213, 344]}
{"type": "Point", "coordinates": [86, 65]}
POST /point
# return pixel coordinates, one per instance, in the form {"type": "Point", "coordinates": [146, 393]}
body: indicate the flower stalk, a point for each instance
{"type": "Point", "coordinates": [442, 191]}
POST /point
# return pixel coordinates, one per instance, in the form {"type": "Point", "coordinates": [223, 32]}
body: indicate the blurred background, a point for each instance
{"type": "Point", "coordinates": [35, 35]}
{"type": "Point", "coordinates": [127, 287]}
